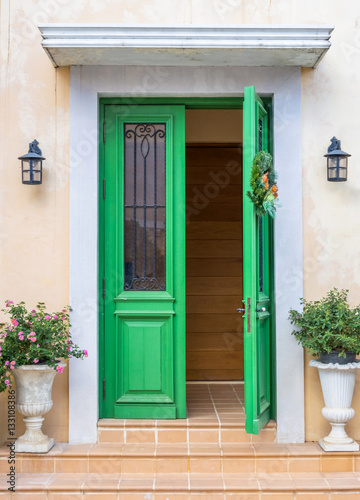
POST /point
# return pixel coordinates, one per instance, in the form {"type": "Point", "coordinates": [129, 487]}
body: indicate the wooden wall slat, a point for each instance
{"type": "Point", "coordinates": [209, 174]}
{"type": "Point", "coordinates": [213, 304]}
{"type": "Point", "coordinates": [214, 248]}
{"type": "Point", "coordinates": [213, 286]}
{"type": "Point", "coordinates": [214, 342]}
{"type": "Point", "coordinates": [226, 268]}
{"type": "Point", "coordinates": [214, 360]}
{"type": "Point", "coordinates": [220, 323]}
{"type": "Point", "coordinates": [215, 375]}
{"type": "Point", "coordinates": [213, 230]}
{"type": "Point", "coordinates": [215, 194]}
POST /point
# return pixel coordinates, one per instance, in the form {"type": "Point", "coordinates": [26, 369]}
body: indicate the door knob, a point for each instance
{"type": "Point", "coordinates": [239, 310]}
{"type": "Point", "coordinates": [263, 309]}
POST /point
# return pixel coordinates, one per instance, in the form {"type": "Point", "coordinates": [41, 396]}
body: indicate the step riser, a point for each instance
{"type": "Point", "coordinates": [183, 436]}
{"type": "Point", "coordinates": [179, 494]}
{"type": "Point", "coordinates": [172, 464]}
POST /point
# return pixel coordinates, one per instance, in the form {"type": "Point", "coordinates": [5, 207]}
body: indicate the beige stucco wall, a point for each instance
{"type": "Point", "coordinates": [34, 100]}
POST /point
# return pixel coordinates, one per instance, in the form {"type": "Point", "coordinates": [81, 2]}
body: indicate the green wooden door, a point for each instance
{"type": "Point", "coordinates": [258, 286]}
{"type": "Point", "coordinates": [142, 281]}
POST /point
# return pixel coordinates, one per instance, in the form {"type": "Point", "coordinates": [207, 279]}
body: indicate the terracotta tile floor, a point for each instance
{"type": "Point", "coordinates": [215, 414]}
{"type": "Point", "coordinates": [221, 402]}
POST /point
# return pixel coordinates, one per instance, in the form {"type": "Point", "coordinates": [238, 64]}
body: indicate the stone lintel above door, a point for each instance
{"type": "Point", "coordinates": [242, 45]}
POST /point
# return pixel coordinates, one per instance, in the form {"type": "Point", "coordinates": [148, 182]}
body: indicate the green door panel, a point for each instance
{"type": "Point", "coordinates": [258, 287]}
{"type": "Point", "coordinates": [142, 230]}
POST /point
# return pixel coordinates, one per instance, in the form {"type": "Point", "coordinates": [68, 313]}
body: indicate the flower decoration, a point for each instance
{"type": "Point", "coordinates": [34, 337]}
{"type": "Point", "coordinates": [264, 191]}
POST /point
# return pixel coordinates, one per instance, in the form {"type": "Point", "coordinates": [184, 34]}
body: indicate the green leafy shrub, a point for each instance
{"type": "Point", "coordinates": [329, 324]}
{"type": "Point", "coordinates": [32, 337]}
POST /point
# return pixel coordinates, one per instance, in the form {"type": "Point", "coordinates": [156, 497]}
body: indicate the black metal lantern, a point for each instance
{"type": "Point", "coordinates": [337, 162]}
{"type": "Point", "coordinates": [31, 164]}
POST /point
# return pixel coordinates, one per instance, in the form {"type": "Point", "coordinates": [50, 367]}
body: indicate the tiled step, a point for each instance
{"type": "Point", "coordinates": [184, 459]}
{"type": "Point", "coordinates": [215, 414]}
{"type": "Point", "coordinates": [295, 486]}
{"type": "Point", "coordinates": [182, 431]}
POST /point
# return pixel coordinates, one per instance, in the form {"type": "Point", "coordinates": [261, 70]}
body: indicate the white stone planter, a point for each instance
{"type": "Point", "coordinates": [33, 400]}
{"type": "Point", "coordinates": [337, 383]}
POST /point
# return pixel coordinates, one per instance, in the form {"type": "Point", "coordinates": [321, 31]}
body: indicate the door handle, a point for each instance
{"type": "Point", "coordinates": [261, 310]}
{"type": "Point", "coordinates": [240, 309]}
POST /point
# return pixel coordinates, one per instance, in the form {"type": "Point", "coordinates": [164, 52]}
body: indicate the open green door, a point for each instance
{"type": "Point", "coordinates": [258, 287]}
{"type": "Point", "coordinates": [142, 262]}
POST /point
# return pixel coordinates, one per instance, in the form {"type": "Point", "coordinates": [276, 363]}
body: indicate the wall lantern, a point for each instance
{"type": "Point", "coordinates": [31, 164]}
{"type": "Point", "coordinates": [337, 162]}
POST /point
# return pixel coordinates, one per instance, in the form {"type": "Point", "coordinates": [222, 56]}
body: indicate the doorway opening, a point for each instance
{"type": "Point", "coordinates": [214, 245]}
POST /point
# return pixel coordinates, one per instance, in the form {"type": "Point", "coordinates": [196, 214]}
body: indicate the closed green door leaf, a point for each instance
{"type": "Point", "coordinates": [142, 265]}
{"type": "Point", "coordinates": [258, 283]}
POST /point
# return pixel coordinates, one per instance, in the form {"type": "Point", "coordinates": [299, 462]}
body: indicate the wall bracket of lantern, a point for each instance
{"type": "Point", "coordinates": [31, 164]}
{"type": "Point", "coordinates": [337, 162]}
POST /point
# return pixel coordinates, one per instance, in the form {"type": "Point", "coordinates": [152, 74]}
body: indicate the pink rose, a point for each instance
{"type": "Point", "coordinates": [7, 382]}
{"type": "Point", "coordinates": [36, 360]}
{"type": "Point", "coordinates": [21, 337]}
{"type": "Point", "coordinates": [6, 363]}
{"type": "Point", "coordinates": [15, 322]}
{"type": "Point", "coordinates": [9, 303]}
{"type": "Point", "coordinates": [85, 353]}
{"type": "Point", "coordinates": [60, 369]}
{"type": "Point", "coordinates": [33, 339]}
{"type": "Point", "coordinates": [47, 317]}
{"type": "Point", "coordinates": [12, 362]}
{"type": "Point", "coordinates": [55, 316]}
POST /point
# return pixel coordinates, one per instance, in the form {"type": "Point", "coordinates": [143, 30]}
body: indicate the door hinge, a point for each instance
{"type": "Point", "coordinates": [104, 132]}
{"type": "Point", "coordinates": [103, 290]}
{"type": "Point", "coordinates": [104, 189]}
{"type": "Point", "coordinates": [104, 389]}
{"type": "Point", "coordinates": [248, 315]}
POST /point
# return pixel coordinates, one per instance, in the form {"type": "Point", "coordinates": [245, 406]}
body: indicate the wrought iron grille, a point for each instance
{"type": "Point", "coordinates": [145, 206]}
{"type": "Point", "coordinates": [260, 134]}
{"type": "Point", "coordinates": [261, 256]}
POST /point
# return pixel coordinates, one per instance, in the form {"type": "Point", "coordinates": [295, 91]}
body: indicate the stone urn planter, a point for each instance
{"type": "Point", "coordinates": [337, 377]}
{"type": "Point", "coordinates": [33, 400]}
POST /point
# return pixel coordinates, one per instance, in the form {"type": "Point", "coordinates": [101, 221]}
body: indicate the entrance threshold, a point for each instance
{"type": "Point", "coordinates": [215, 415]}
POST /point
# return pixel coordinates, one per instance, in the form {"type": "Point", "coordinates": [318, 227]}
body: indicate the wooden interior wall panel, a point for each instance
{"type": "Point", "coordinates": [214, 263]}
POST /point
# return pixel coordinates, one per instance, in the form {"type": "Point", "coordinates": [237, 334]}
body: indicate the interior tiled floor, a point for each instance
{"type": "Point", "coordinates": [220, 402]}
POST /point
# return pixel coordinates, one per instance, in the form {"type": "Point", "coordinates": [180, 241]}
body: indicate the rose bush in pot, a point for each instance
{"type": "Point", "coordinates": [32, 345]}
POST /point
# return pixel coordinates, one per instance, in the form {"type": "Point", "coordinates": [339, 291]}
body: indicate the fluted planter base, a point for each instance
{"type": "Point", "coordinates": [33, 400]}
{"type": "Point", "coordinates": [337, 383]}
{"type": "Point", "coordinates": [33, 441]}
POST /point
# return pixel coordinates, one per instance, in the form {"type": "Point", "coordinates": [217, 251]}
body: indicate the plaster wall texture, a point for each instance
{"type": "Point", "coordinates": [34, 98]}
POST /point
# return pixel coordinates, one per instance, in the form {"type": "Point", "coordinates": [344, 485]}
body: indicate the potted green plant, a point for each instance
{"type": "Point", "coordinates": [32, 344]}
{"type": "Point", "coordinates": [330, 328]}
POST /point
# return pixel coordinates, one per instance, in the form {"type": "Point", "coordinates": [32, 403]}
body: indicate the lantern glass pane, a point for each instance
{"type": "Point", "coordinates": [31, 171]}
{"type": "Point", "coordinates": [337, 169]}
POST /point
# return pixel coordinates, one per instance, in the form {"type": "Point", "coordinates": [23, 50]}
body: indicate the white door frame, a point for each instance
{"type": "Point", "coordinates": [88, 83]}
